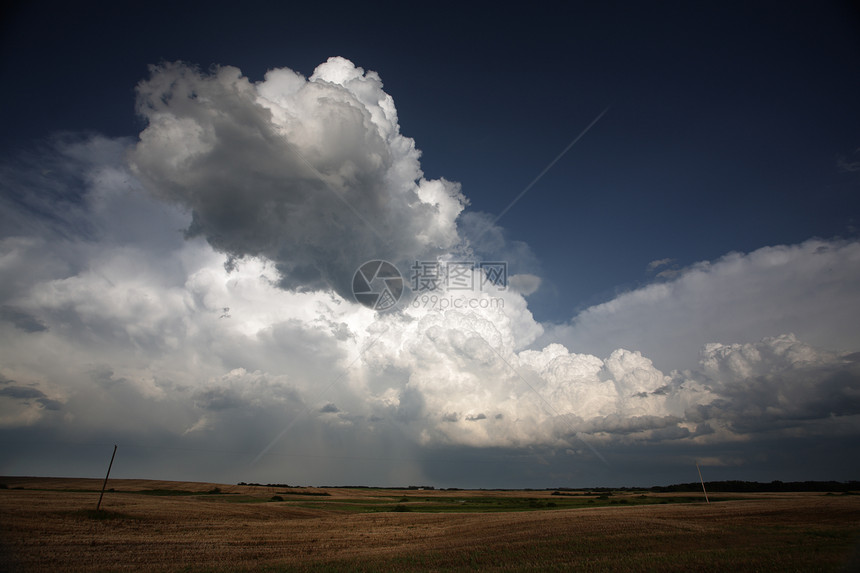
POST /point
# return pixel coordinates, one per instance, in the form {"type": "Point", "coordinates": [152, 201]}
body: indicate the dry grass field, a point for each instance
{"type": "Point", "coordinates": [49, 524]}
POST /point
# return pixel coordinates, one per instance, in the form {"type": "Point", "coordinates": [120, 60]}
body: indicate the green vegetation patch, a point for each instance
{"type": "Point", "coordinates": [236, 498]}
{"type": "Point", "coordinates": [177, 492]}
{"type": "Point", "coordinates": [473, 504]}
{"type": "Point", "coordinates": [502, 503]}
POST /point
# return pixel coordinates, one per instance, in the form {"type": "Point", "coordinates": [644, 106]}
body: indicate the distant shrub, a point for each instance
{"type": "Point", "coordinates": [214, 490]}
{"type": "Point", "coordinates": [401, 508]}
{"type": "Point", "coordinates": [3, 486]}
{"type": "Point", "coordinates": [276, 498]}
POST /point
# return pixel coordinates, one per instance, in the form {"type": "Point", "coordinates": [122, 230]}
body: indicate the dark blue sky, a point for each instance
{"type": "Point", "coordinates": [726, 126]}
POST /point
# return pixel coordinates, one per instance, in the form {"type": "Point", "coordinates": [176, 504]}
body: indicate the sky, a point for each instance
{"type": "Point", "coordinates": [447, 245]}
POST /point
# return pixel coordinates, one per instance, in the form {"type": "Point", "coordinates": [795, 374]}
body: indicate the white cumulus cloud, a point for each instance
{"type": "Point", "coordinates": [809, 289]}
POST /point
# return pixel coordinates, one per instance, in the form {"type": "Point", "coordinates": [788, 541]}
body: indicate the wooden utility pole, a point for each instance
{"type": "Point", "coordinates": [98, 505]}
{"type": "Point", "coordinates": [703, 483]}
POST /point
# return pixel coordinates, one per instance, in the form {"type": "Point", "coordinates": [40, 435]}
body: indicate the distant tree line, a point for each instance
{"type": "Point", "coordinates": [715, 486]}
{"type": "Point", "coordinates": [414, 487]}
{"type": "Point", "coordinates": [754, 486]}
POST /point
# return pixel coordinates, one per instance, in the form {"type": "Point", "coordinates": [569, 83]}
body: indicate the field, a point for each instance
{"type": "Point", "coordinates": [51, 524]}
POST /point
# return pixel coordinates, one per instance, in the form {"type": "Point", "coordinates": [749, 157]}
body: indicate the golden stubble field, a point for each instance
{"type": "Point", "coordinates": [48, 526]}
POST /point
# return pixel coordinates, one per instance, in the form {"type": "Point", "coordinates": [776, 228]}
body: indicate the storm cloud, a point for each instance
{"type": "Point", "coordinates": [191, 289]}
{"type": "Point", "coordinates": [312, 174]}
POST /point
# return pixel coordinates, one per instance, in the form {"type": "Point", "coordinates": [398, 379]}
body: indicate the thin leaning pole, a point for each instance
{"type": "Point", "coordinates": [703, 483]}
{"type": "Point", "coordinates": [98, 505]}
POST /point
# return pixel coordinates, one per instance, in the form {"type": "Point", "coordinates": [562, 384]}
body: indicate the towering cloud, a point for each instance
{"type": "Point", "coordinates": [312, 174]}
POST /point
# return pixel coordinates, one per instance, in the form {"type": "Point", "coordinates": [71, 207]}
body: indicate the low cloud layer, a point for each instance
{"type": "Point", "coordinates": [187, 295]}
{"type": "Point", "coordinates": [808, 289]}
